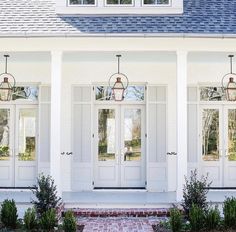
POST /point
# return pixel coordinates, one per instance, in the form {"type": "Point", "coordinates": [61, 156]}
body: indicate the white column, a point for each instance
{"type": "Point", "coordinates": [55, 150]}
{"type": "Point", "coordinates": [181, 87]}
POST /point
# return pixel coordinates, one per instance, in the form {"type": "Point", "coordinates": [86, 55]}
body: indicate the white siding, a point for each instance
{"type": "Point", "coordinates": [156, 139]}
{"type": "Point", "coordinates": [44, 129]}
{"type": "Point", "coordinates": [81, 166]}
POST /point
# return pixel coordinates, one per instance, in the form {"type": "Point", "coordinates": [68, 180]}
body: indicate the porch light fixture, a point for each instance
{"type": "Point", "coordinates": [7, 85]}
{"type": "Point", "coordinates": [229, 88]}
{"type": "Point", "coordinates": [120, 81]}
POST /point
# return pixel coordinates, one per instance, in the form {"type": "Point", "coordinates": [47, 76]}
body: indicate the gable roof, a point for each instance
{"type": "Point", "coordinates": [38, 18]}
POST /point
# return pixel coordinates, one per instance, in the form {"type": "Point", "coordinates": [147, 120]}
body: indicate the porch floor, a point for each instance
{"type": "Point", "coordinates": [112, 199]}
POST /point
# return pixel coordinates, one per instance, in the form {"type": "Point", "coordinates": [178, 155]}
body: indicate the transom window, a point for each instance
{"type": "Point", "coordinates": [212, 93]}
{"type": "Point", "coordinates": [132, 93]}
{"type": "Point", "coordinates": [156, 2]}
{"type": "Point", "coordinates": [82, 2]}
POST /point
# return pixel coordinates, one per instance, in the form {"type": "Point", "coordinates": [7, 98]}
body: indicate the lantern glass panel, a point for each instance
{"type": "Point", "coordinates": [231, 91]}
{"type": "Point", "coordinates": [5, 91]}
{"type": "Point", "coordinates": [118, 94]}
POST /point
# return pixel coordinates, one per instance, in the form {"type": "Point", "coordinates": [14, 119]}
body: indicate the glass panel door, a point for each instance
{"type": "Point", "coordinates": [132, 146]}
{"type": "Point", "coordinates": [26, 146]}
{"type": "Point", "coordinates": [119, 146]}
{"type": "Point", "coordinates": [106, 147]}
{"type": "Point", "coordinates": [6, 146]}
{"type": "Point", "coordinates": [229, 153]}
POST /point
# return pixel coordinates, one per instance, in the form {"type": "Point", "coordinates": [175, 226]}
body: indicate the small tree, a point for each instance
{"type": "Point", "coordinates": [175, 220]}
{"type": "Point", "coordinates": [46, 195]}
{"type": "Point", "coordinates": [195, 192]}
{"type": "Point", "coordinates": [9, 214]}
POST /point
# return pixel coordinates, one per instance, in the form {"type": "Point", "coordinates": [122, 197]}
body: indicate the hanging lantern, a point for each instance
{"type": "Point", "coordinates": [6, 87]}
{"type": "Point", "coordinates": [118, 89]}
{"type": "Point", "coordinates": [229, 88]}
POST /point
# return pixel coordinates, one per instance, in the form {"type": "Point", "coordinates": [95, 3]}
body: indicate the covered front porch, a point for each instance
{"type": "Point", "coordinates": [172, 74]}
{"type": "Point", "coordinates": [113, 199]}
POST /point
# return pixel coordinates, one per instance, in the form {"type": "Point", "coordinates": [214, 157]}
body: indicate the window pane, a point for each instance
{"type": "Point", "coordinates": [126, 2]}
{"type": "Point", "coordinates": [106, 134]}
{"type": "Point", "coordinates": [112, 2]}
{"type": "Point", "coordinates": [27, 134]}
{"type": "Point", "coordinates": [156, 2]}
{"type": "Point", "coordinates": [232, 134]}
{"type": "Point", "coordinates": [132, 134]}
{"type": "Point", "coordinates": [211, 94]}
{"type": "Point", "coordinates": [132, 93]}
{"type": "Point", "coordinates": [210, 134]}
{"type": "Point", "coordinates": [25, 92]}
{"type": "Point", "coordinates": [82, 2]}
{"type": "Point", "coordinates": [4, 134]}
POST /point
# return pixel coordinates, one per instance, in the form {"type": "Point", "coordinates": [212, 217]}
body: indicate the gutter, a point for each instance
{"type": "Point", "coordinates": [118, 35]}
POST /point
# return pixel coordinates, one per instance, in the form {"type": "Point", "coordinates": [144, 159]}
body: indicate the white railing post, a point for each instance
{"type": "Point", "coordinates": [181, 100]}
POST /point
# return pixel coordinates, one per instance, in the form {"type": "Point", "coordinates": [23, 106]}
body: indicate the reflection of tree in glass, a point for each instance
{"type": "Point", "coordinates": [103, 93]}
{"type": "Point", "coordinates": [232, 134]}
{"type": "Point", "coordinates": [4, 132]}
{"type": "Point", "coordinates": [103, 116]}
{"type": "Point", "coordinates": [210, 133]}
{"type": "Point", "coordinates": [135, 93]}
{"type": "Point", "coordinates": [211, 94]}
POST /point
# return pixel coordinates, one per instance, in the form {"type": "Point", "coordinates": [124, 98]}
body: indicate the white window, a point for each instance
{"type": "Point", "coordinates": [119, 7]}
{"type": "Point", "coordinates": [81, 2]}
{"type": "Point", "coordinates": [119, 2]}
{"type": "Point", "coordinates": [156, 2]}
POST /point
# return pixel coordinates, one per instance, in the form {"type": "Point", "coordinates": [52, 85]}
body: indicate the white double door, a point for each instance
{"type": "Point", "coordinates": [18, 145]}
{"type": "Point", "coordinates": [218, 144]}
{"type": "Point", "coordinates": [119, 146]}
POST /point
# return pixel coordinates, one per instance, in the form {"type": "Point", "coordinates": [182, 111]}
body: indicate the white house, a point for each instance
{"type": "Point", "coordinates": [63, 121]}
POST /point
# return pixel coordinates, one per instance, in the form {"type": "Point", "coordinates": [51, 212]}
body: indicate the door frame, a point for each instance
{"type": "Point", "coordinates": [222, 164]}
{"type": "Point", "coordinates": [14, 106]}
{"type": "Point", "coordinates": [118, 106]}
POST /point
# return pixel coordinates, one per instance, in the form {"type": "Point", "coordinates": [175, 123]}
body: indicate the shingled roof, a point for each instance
{"type": "Point", "coordinates": [38, 18]}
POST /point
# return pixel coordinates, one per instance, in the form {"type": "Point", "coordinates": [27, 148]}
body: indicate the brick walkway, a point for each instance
{"type": "Point", "coordinates": [118, 224]}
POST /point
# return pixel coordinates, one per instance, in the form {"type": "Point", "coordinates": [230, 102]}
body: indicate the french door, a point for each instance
{"type": "Point", "coordinates": [218, 144]}
{"type": "Point", "coordinates": [119, 146]}
{"type": "Point", "coordinates": [18, 145]}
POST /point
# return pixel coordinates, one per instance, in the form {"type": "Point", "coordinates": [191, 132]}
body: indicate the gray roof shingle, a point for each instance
{"type": "Point", "coordinates": [38, 18]}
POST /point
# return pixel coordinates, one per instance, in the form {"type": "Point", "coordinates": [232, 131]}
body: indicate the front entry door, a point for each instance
{"type": "Point", "coordinates": [218, 144]}
{"type": "Point", "coordinates": [120, 146]}
{"type": "Point", "coordinates": [18, 143]}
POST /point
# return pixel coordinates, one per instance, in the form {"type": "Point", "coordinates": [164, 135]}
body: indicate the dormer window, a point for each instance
{"type": "Point", "coordinates": [119, 7]}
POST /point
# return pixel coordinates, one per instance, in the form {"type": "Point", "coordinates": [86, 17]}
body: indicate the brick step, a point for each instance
{"type": "Point", "coordinates": [117, 212]}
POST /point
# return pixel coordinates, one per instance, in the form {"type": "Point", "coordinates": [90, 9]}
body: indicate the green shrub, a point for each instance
{"type": "Point", "coordinates": [212, 219]}
{"type": "Point", "coordinates": [229, 209]}
{"type": "Point", "coordinates": [48, 220]}
{"type": "Point", "coordinates": [175, 220]}
{"type": "Point", "coordinates": [46, 195]}
{"type": "Point", "coordinates": [69, 222]}
{"type": "Point", "coordinates": [30, 220]}
{"type": "Point", "coordinates": [195, 192]}
{"type": "Point", "coordinates": [196, 218]}
{"type": "Point", "coordinates": [9, 214]}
